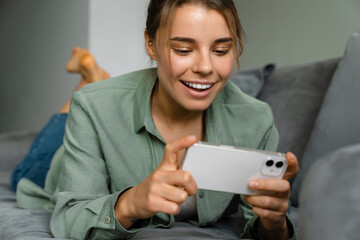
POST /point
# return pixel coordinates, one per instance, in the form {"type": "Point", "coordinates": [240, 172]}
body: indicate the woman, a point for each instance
{"type": "Point", "coordinates": [126, 136]}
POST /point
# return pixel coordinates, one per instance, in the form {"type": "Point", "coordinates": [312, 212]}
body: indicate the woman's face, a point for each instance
{"type": "Point", "coordinates": [201, 58]}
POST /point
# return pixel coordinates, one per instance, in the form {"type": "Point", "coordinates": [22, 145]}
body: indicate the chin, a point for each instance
{"type": "Point", "coordinates": [196, 106]}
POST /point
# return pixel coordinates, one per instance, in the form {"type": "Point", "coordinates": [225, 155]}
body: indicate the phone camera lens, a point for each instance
{"type": "Point", "coordinates": [279, 164]}
{"type": "Point", "coordinates": [269, 163]}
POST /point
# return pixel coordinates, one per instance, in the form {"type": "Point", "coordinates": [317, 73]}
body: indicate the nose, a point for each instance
{"type": "Point", "coordinates": [203, 64]}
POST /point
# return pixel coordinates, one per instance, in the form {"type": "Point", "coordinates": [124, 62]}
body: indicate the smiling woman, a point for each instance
{"type": "Point", "coordinates": [125, 137]}
{"type": "Point", "coordinates": [201, 60]}
{"type": "Point", "coordinates": [201, 57]}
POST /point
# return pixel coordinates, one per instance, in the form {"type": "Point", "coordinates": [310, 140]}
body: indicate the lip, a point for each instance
{"type": "Point", "coordinates": [197, 94]}
{"type": "Point", "coordinates": [199, 82]}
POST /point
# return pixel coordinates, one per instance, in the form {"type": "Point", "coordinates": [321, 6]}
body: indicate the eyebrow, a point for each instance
{"type": "Point", "coordinates": [190, 40]}
{"type": "Point", "coordinates": [222, 40]}
{"type": "Point", "coordinates": [182, 39]}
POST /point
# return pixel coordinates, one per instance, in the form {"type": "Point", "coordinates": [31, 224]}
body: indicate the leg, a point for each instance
{"type": "Point", "coordinates": [84, 63]}
{"type": "Point", "coordinates": [37, 162]}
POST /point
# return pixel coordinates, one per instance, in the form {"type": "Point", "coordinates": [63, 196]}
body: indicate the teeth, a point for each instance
{"type": "Point", "coordinates": [198, 86]}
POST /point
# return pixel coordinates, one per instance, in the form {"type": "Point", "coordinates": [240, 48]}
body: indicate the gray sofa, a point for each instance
{"type": "Point", "coordinates": [316, 110]}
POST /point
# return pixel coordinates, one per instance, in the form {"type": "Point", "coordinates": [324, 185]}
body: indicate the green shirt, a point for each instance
{"type": "Point", "coordinates": [111, 144]}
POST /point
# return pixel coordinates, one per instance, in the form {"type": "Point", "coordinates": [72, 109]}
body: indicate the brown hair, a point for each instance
{"type": "Point", "coordinates": [161, 12]}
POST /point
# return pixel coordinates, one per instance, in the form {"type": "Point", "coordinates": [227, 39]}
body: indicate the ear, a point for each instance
{"type": "Point", "coordinates": [149, 45]}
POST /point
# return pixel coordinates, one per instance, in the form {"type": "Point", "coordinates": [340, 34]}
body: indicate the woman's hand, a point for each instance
{"type": "Point", "coordinates": [162, 191]}
{"type": "Point", "coordinates": [272, 208]}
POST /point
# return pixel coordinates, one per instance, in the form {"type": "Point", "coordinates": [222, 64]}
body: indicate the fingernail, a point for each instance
{"type": "Point", "coordinates": [253, 184]}
{"type": "Point", "coordinates": [291, 155]}
{"type": "Point", "coordinates": [184, 196]}
{"type": "Point", "coordinates": [191, 137]}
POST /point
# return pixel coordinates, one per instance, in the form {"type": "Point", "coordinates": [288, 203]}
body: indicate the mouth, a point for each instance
{"type": "Point", "coordinates": [197, 86]}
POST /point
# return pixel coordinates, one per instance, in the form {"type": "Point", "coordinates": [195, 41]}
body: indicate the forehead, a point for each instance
{"type": "Point", "coordinates": [196, 21]}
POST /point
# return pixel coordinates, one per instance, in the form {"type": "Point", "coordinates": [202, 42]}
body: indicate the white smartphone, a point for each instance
{"type": "Point", "coordinates": [229, 169]}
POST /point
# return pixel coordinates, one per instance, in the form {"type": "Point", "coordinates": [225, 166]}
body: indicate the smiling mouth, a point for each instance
{"type": "Point", "coordinates": [197, 86]}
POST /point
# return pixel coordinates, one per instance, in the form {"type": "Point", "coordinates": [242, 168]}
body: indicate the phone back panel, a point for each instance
{"type": "Point", "coordinates": [229, 169]}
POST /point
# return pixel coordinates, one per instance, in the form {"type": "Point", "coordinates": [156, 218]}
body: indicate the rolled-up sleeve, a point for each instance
{"type": "Point", "coordinates": [84, 205]}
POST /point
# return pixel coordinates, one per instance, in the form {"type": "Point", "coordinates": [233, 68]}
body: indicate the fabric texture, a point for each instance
{"type": "Point", "coordinates": [96, 130]}
{"type": "Point", "coordinates": [37, 161]}
{"type": "Point", "coordinates": [33, 224]}
{"type": "Point", "coordinates": [13, 147]}
{"type": "Point", "coordinates": [295, 94]}
{"type": "Point", "coordinates": [337, 124]}
{"type": "Point", "coordinates": [14, 222]}
{"type": "Point", "coordinates": [251, 81]}
{"type": "Point", "coordinates": [330, 196]}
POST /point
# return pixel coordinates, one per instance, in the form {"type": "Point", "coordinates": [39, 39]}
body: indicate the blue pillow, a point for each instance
{"type": "Point", "coordinates": [251, 81]}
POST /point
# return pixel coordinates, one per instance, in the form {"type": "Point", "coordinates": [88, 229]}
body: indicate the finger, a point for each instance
{"type": "Point", "coordinates": [165, 206]}
{"type": "Point", "coordinates": [268, 202]}
{"type": "Point", "coordinates": [161, 188]}
{"type": "Point", "coordinates": [185, 180]}
{"type": "Point", "coordinates": [279, 186]}
{"type": "Point", "coordinates": [171, 150]}
{"type": "Point", "coordinates": [267, 216]}
{"type": "Point", "coordinates": [174, 194]}
{"type": "Point", "coordinates": [176, 178]}
{"type": "Point", "coordinates": [293, 166]}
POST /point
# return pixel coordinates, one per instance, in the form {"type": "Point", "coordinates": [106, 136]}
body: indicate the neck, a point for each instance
{"type": "Point", "coordinates": [172, 120]}
{"type": "Point", "coordinates": [166, 109]}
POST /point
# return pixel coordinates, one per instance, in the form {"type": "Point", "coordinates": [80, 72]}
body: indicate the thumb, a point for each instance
{"type": "Point", "coordinates": [171, 151]}
{"type": "Point", "coordinates": [293, 166]}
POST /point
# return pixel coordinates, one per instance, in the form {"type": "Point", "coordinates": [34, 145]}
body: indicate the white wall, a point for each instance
{"type": "Point", "coordinates": [296, 31]}
{"type": "Point", "coordinates": [36, 39]}
{"type": "Point", "coordinates": [282, 31]}
{"type": "Point", "coordinates": [116, 35]}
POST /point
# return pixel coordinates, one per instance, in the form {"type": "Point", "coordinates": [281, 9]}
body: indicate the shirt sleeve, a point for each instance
{"type": "Point", "coordinates": [251, 229]}
{"type": "Point", "coordinates": [84, 205]}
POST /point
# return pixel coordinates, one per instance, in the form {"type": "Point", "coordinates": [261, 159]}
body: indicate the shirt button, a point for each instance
{"type": "Point", "coordinates": [107, 219]}
{"type": "Point", "coordinates": [201, 194]}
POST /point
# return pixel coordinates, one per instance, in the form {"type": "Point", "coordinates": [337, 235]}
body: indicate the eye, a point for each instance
{"type": "Point", "coordinates": [182, 51]}
{"type": "Point", "coordinates": [221, 52]}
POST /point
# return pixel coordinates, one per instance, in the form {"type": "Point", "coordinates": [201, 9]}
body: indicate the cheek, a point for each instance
{"type": "Point", "coordinates": [174, 68]}
{"type": "Point", "coordinates": [224, 66]}
{"type": "Point", "coordinates": [180, 64]}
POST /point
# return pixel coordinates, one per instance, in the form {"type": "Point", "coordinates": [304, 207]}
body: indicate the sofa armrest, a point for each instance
{"type": "Point", "coordinates": [329, 198]}
{"type": "Point", "coordinates": [13, 147]}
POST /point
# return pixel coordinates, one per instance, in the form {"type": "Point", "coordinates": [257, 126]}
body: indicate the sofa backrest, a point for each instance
{"type": "Point", "coordinates": [295, 94]}
{"type": "Point", "coordinates": [337, 124]}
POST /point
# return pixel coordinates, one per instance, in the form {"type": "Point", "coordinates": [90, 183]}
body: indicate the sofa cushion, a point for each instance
{"type": "Point", "coordinates": [338, 122]}
{"type": "Point", "coordinates": [330, 196]}
{"type": "Point", "coordinates": [13, 148]}
{"type": "Point", "coordinates": [295, 94]}
{"type": "Point", "coordinates": [251, 81]}
{"type": "Point", "coordinates": [34, 224]}
{"type": "Point", "coordinates": [16, 223]}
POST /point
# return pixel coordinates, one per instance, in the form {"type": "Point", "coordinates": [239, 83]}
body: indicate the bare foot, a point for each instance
{"type": "Point", "coordinates": [83, 62]}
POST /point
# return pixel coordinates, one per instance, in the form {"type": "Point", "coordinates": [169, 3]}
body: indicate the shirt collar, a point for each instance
{"type": "Point", "coordinates": [142, 108]}
{"type": "Point", "coordinates": [142, 100]}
